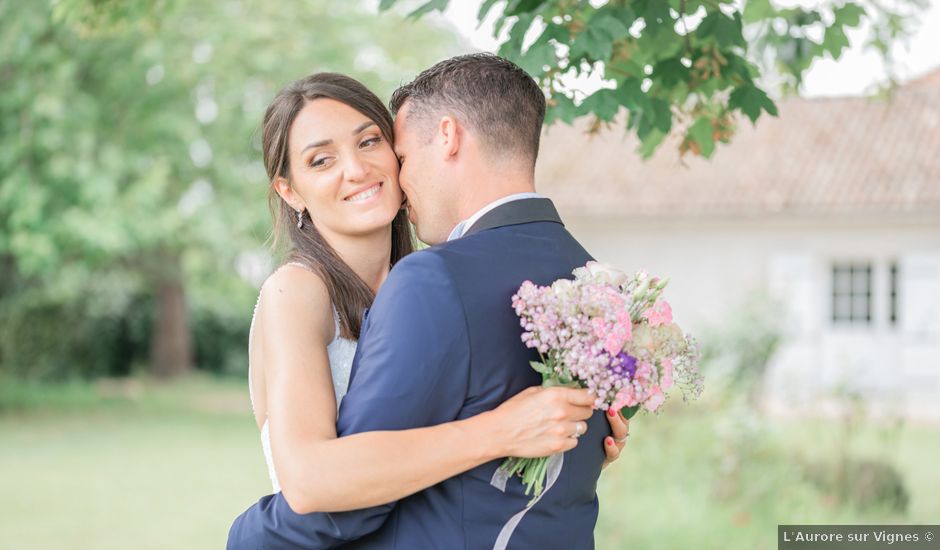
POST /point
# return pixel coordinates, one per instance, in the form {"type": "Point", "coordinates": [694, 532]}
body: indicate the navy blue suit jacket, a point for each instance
{"type": "Point", "coordinates": [442, 343]}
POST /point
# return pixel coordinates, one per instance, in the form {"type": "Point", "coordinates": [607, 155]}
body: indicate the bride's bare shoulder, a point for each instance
{"type": "Point", "coordinates": [296, 297]}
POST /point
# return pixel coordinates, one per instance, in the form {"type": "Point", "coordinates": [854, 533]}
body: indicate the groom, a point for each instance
{"type": "Point", "coordinates": [441, 341]}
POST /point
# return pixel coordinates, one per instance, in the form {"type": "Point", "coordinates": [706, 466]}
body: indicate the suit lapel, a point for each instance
{"type": "Point", "coordinates": [516, 212]}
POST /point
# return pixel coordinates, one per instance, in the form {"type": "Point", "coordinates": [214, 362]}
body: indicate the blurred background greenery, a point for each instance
{"type": "Point", "coordinates": [133, 228]}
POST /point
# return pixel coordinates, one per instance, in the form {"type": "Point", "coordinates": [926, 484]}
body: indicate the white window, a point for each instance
{"type": "Point", "coordinates": [851, 294]}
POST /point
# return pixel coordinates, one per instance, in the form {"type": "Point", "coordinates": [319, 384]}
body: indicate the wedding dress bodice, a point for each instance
{"type": "Point", "coordinates": [340, 352]}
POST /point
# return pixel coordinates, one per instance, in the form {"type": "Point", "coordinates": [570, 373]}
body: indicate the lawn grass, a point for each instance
{"type": "Point", "coordinates": [141, 465]}
{"type": "Point", "coordinates": [166, 467]}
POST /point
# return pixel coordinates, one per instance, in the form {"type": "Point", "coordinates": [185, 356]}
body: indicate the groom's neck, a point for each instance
{"type": "Point", "coordinates": [486, 186]}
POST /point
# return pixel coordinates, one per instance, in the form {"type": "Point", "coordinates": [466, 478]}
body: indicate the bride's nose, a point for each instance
{"type": "Point", "coordinates": [355, 168]}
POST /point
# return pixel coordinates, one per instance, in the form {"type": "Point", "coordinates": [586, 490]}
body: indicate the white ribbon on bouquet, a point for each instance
{"type": "Point", "coordinates": [499, 480]}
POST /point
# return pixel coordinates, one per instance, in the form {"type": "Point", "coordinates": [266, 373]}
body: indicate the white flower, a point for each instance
{"type": "Point", "coordinates": [604, 273]}
{"type": "Point", "coordinates": [562, 287]}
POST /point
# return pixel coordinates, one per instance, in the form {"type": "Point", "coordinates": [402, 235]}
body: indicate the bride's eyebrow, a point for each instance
{"type": "Point", "coordinates": [362, 127]}
{"type": "Point", "coordinates": [323, 142]}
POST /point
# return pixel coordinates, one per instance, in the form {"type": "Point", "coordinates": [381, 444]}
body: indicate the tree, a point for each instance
{"type": "Point", "coordinates": [689, 67]}
{"type": "Point", "coordinates": [129, 147]}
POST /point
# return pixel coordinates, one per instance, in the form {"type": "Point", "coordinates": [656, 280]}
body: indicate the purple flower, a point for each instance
{"type": "Point", "coordinates": [623, 364]}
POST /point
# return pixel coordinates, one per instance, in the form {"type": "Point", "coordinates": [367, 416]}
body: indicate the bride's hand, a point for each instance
{"type": "Point", "coordinates": [620, 431]}
{"type": "Point", "coordinates": [541, 421]}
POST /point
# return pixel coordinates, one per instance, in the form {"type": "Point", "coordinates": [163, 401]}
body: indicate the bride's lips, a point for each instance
{"type": "Point", "coordinates": [364, 194]}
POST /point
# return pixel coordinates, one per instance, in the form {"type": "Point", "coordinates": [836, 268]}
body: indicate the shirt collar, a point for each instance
{"type": "Point", "coordinates": [466, 224]}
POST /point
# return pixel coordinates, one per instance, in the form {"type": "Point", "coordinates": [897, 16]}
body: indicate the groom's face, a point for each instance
{"type": "Point", "coordinates": [432, 202]}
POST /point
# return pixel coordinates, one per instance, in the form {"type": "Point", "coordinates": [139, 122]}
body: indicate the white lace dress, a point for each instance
{"type": "Point", "coordinates": [340, 352]}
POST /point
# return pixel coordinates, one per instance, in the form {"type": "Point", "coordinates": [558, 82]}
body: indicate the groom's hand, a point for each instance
{"type": "Point", "coordinates": [620, 427]}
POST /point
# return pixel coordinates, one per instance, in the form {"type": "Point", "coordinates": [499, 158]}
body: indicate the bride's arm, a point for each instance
{"type": "Point", "coordinates": [318, 472]}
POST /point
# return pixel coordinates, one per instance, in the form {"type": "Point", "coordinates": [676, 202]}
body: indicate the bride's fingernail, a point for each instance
{"type": "Point", "coordinates": [611, 413]}
{"type": "Point", "coordinates": [609, 441]}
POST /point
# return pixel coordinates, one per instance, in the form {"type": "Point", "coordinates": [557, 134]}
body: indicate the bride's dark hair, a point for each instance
{"type": "Point", "coordinates": [349, 293]}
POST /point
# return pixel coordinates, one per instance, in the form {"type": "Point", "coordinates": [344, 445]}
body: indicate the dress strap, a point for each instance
{"type": "Point", "coordinates": [298, 264]}
{"type": "Point", "coordinates": [336, 325]}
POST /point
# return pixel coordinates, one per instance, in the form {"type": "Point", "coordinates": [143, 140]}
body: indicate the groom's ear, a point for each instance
{"type": "Point", "coordinates": [449, 134]}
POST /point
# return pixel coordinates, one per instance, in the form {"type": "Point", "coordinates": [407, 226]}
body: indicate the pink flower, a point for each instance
{"type": "Point", "coordinates": [600, 327]}
{"type": "Point", "coordinates": [655, 399]}
{"type": "Point", "coordinates": [623, 319]}
{"type": "Point", "coordinates": [616, 338]}
{"type": "Point", "coordinates": [644, 371]}
{"type": "Point", "coordinates": [659, 314]}
{"type": "Point", "coordinates": [666, 382]}
{"type": "Point", "coordinates": [626, 397]}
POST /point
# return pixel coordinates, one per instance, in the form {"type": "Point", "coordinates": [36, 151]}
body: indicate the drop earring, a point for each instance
{"type": "Point", "coordinates": [300, 219]}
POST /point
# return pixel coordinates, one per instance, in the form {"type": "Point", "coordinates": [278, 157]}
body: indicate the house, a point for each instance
{"type": "Point", "coordinates": [833, 208]}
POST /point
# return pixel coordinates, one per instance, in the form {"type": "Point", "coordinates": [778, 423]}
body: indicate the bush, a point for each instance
{"type": "Point", "coordinates": [866, 484]}
{"type": "Point", "coordinates": [46, 337]}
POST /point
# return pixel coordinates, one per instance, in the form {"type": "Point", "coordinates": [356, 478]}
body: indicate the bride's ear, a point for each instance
{"type": "Point", "coordinates": [283, 188]}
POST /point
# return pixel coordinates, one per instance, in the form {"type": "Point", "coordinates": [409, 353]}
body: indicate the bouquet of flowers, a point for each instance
{"type": "Point", "coordinates": [611, 333]}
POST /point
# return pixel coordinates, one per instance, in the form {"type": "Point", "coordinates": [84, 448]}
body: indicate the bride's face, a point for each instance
{"type": "Point", "coordinates": [343, 171]}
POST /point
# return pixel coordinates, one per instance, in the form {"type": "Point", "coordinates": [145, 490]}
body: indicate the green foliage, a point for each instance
{"type": "Point", "coordinates": [863, 483]}
{"type": "Point", "coordinates": [737, 353]}
{"type": "Point", "coordinates": [130, 155]}
{"type": "Point", "coordinates": [683, 66]}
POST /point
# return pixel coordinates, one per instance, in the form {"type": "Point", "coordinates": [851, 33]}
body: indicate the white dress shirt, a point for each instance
{"type": "Point", "coordinates": [463, 226]}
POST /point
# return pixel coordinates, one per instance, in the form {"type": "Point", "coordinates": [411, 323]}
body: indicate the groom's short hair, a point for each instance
{"type": "Point", "coordinates": [493, 96]}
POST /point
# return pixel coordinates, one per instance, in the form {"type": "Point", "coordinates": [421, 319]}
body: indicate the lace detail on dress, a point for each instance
{"type": "Point", "coordinates": [340, 352]}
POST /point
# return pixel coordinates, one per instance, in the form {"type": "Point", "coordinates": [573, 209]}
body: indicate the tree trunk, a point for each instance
{"type": "Point", "coordinates": [170, 345]}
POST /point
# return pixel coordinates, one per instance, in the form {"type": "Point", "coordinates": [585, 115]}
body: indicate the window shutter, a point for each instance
{"type": "Point", "coordinates": [919, 294]}
{"type": "Point", "coordinates": [795, 280]}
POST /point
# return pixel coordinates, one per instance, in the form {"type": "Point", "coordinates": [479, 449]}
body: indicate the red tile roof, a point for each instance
{"type": "Point", "coordinates": [820, 156]}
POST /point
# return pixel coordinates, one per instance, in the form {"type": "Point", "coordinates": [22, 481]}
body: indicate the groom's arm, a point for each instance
{"type": "Point", "coordinates": [412, 371]}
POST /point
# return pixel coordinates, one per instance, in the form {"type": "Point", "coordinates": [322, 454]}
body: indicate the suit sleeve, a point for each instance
{"type": "Point", "coordinates": [411, 370]}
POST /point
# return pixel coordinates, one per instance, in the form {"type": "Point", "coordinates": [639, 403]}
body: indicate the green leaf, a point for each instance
{"type": "Point", "coordinates": [602, 103]}
{"type": "Point", "coordinates": [701, 133]}
{"type": "Point", "coordinates": [485, 8]}
{"type": "Point", "coordinates": [512, 48]}
{"type": "Point", "coordinates": [650, 142]}
{"type": "Point", "coordinates": [670, 72]}
{"type": "Point", "coordinates": [609, 25]}
{"type": "Point", "coordinates": [835, 41]}
{"type": "Point", "coordinates": [540, 368]}
{"type": "Point", "coordinates": [620, 69]}
{"type": "Point", "coordinates": [655, 13]}
{"type": "Point", "coordinates": [621, 13]}
{"type": "Point", "coordinates": [757, 10]}
{"type": "Point", "coordinates": [592, 43]}
{"type": "Point", "coordinates": [726, 31]}
{"type": "Point", "coordinates": [751, 100]}
{"type": "Point", "coordinates": [629, 412]}
{"type": "Point", "coordinates": [663, 115]}
{"type": "Point", "coordinates": [439, 5]}
{"type": "Point", "coordinates": [384, 5]}
{"type": "Point", "coordinates": [537, 57]}
{"type": "Point", "coordinates": [630, 94]}
{"type": "Point", "coordinates": [564, 110]}
{"type": "Point", "coordinates": [518, 7]}
{"type": "Point", "coordinates": [849, 15]}
{"type": "Point", "coordinates": [553, 31]}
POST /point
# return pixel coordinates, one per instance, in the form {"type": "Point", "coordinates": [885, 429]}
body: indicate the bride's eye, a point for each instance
{"type": "Point", "coordinates": [319, 161]}
{"type": "Point", "coordinates": [371, 142]}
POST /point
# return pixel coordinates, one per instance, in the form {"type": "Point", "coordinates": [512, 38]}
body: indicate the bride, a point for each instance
{"type": "Point", "coordinates": [335, 199]}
